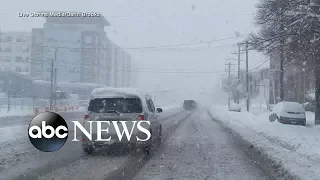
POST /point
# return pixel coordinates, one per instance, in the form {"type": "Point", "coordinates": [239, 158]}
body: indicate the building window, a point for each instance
{"type": "Point", "coordinates": [88, 39]}
{"type": "Point", "coordinates": [8, 39]}
{"type": "Point", "coordinates": [18, 69]}
{"type": "Point", "coordinates": [19, 49]}
{"type": "Point", "coordinates": [0, 49]}
{"type": "Point", "coordinates": [50, 39]}
{"type": "Point", "coordinates": [20, 40]}
{"type": "Point", "coordinates": [8, 49]}
{"type": "Point", "coordinates": [19, 59]}
{"type": "Point", "coordinates": [75, 50]}
{"type": "Point", "coordinates": [27, 69]}
{"type": "Point", "coordinates": [27, 50]}
{"type": "Point", "coordinates": [27, 59]}
{"type": "Point", "coordinates": [74, 70]}
{"type": "Point", "coordinates": [48, 69]}
{"type": "Point", "coordinates": [49, 60]}
{"type": "Point", "coordinates": [7, 59]}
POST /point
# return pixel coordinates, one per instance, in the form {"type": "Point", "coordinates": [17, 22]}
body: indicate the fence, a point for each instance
{"type": "Point", "coordinates": [28, 105]}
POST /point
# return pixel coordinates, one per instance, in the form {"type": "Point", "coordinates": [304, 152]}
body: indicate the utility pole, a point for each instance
{"type": "Point", "coordinates": [51, 80]}
{"type": "Point", "coordinates": [8, 93]}
{"type": "Point", "coordinates": [247, 75]}
{"type": "Point", "coordinates": [51, 85]}
{"type": "Point", "coordinates": [222, 89]}
{"type": "Point", "coordinates": [304, 85]}
{"type": "Point", "coordinates": [239, 69]}
{"type": "Point", "coordinates": [55, 87]}
{"type": "Point", "coordinates": [229, 84]}
{"type": "Point", "coordinates": [282, 42]}
{"type": "Point", "coordinates": [115, 79]}
{"type": "Point", "coordinates": [239, 51]}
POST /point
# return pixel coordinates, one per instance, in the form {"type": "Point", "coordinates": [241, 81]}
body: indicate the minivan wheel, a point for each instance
{"type": "Point", "coordinates": [88, 149]}
{"type": "Point", "coordinates": [148, 148]}
{"type": "Point", "coordinates": [160, 135]}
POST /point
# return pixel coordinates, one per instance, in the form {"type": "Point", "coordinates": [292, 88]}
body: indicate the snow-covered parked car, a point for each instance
{"type": "Point", "coordinates": [288, 113]}
{"type": "Point", "coordinates": [235, 107]}
{"type": "Point", "coordinates": [122, 104]}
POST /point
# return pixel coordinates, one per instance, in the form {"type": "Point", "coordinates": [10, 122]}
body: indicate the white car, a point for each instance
{"type": "Point", "coordinates": [235, 107]}
{"type": "Point", "coordinates": [289, 113]}
{"type": "Point", "coordinates": [121, 104]}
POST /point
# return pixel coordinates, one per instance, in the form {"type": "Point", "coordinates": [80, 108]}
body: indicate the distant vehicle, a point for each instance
{"type": "Point", "coordinates": [189, 105]}
{"type": "Point", "coordinates": [122, 104]}
{"type": "Point", "coordinates": [61, 97]}
{"type": "Point", "coordinates": [64, 98]}
{"type": "Point", "coordinates": [235, 107]}
{"type": "Point", "coordinates": [288, 113]}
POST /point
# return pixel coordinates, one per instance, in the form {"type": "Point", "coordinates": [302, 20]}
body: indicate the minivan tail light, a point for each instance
{"type": "Point", "coordinates": [86, 117]}
{"type": "Point", "coordinates": [141, 117]}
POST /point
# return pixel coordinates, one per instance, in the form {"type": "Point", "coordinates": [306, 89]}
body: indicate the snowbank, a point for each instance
{"type": "Point", "coordinates": [16, 111]}
{"type": "Point", "coordinates": [170, 107]}
{"type": "Point", "coordinates": [27, 111]}
{"type": "Point", "coordinates": [296, 148]}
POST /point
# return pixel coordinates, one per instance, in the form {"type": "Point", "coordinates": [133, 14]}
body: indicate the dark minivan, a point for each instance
{"type": "Point", "coordinates": [189, 105]}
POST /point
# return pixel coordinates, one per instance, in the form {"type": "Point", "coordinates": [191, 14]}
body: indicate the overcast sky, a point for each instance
{"type": "Point", "coordinates": [141, 23]}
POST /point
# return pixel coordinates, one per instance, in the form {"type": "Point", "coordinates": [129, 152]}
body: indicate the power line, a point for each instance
{"type": "Point", "coordinates": [193, 14]}
{"type": "Point", "coordinates": [183, 49]}
{"type": "Point", "coordinates": [259, 65]}
{"type": "Point", "coordinates": [165, 71]}
{"type": "Point", "coordinates": [132, 48]}
{"type": "Point", "coordinates": [185, 44]}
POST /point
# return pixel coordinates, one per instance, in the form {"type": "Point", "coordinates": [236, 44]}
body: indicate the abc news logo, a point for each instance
{"type": "Point", "coordinates": [48, 131]}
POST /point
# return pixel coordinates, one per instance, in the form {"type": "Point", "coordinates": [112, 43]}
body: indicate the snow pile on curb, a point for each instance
{"type": "Point", "coordinates": [170, 107]}
{"type": "Point", "coordinates": [16, 112]}
{"type": "Point", "coordinates": [27, 111]}
{"type": "Point", "coordinates": [292, 149]}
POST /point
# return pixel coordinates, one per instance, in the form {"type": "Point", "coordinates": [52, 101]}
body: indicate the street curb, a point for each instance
{"type": "Point", "coordinates": [270, 165]}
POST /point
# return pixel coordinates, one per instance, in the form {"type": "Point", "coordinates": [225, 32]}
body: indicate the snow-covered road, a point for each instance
{"type": "Point", "coordinates": [20, 160]}
{"type": "Point", "coordinates": [200, 149]}
{"type": "Point", "coordinates": [292, 151]}
{"type": "Point", "coordinates": [194, 147]}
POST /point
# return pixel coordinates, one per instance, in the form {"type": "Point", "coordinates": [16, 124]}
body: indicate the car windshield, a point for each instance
{"type": "Point", "coordinates": [121, 105]}
{"type": "Point", "coordinates": [159, 89]}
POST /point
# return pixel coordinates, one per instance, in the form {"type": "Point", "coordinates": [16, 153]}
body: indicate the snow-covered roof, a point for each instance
{"type": "Point", "coordinates": [290, 106]}
{"type": "Point", "coordinates": [112, 92]}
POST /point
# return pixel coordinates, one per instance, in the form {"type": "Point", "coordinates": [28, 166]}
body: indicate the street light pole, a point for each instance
{"type": "Point", "coordinates": [247, 75]}
{"type": "Point", "coordinates": [239, 51]}
{"type": "Point", "coordinates": [51, 80]}
{"type": "Point", "coordinates": [51, 85]}
{"type": "Point", "coordinates": [55, 87]}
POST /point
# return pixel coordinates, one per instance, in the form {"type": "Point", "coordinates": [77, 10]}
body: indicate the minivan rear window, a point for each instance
{"type": "Point", "coordinates": [121, 105]}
